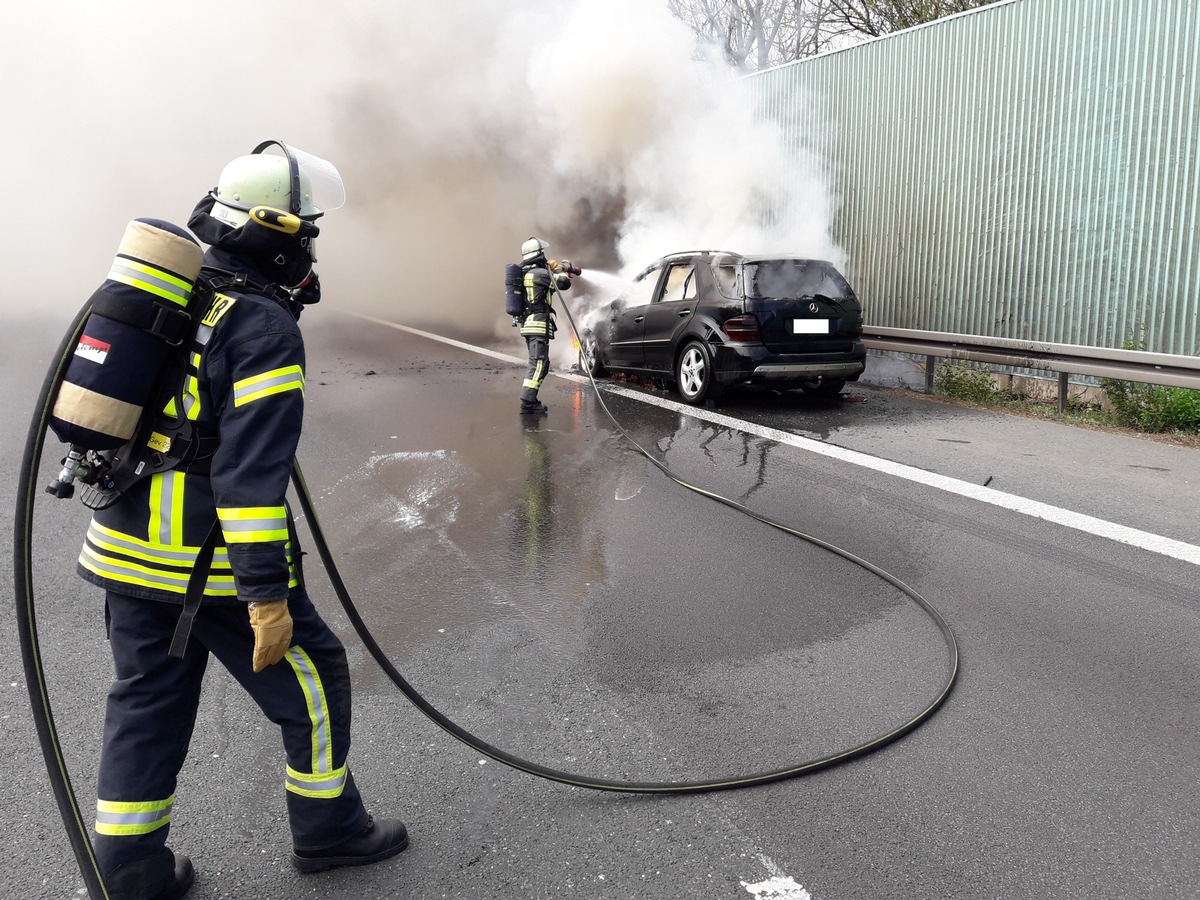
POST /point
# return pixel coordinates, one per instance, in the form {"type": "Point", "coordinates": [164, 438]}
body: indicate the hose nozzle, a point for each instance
{"type": "Point", "coordinates": [570, 268]}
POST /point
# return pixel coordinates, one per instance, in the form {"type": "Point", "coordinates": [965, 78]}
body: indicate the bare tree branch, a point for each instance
{"type": "Point", "coordinates": [757, 34]}
{"type": "Point", "coordinates": [878, 17]}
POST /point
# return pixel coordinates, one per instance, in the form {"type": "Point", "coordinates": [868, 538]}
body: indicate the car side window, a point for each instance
{"type": "Point", "coordinates": [641, 294]}
{"type": "Point", "coordinates": [681, 285]}
{"type": "Point", "coordinates": [726, 277]}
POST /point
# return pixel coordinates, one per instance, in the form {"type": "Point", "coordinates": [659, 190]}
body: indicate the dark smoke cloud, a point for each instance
{"type": "Point", "coordinates": [460, 129]}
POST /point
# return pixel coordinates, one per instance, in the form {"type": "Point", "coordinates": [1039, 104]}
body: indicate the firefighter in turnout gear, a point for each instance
{"type": "Point", "coordinates": [541, 278]}
{"type": "Point", "coordinates": [244, 390]}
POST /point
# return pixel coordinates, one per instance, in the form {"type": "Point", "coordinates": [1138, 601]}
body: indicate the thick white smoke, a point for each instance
{"type": "Point", "coordinates": [460, 129]}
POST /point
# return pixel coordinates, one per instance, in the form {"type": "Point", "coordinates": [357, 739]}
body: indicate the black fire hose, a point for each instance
{"type": "Point", "coordinates": [77, 829]}
{"type": "Point", "coordinates": [35, 676]}
{"type": "Point", "coordinates": [729, 782]}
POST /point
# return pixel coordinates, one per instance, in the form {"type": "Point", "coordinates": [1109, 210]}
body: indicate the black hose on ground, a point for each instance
{"type": "Point", "coordinates": [639, 787]}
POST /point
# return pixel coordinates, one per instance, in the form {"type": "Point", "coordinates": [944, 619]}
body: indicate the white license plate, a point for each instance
{"type": "Point", "coordinates": [810, 326]}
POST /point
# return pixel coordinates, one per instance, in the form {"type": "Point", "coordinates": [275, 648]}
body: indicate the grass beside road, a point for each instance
{"type": "Point", "coordinates": [1166, 414]}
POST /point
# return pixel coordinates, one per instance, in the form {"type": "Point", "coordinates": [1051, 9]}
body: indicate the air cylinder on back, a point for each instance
{"type": "Point", "coordinates": [138, 316]}
{"type": "Point", "coordinates": [514, 290]}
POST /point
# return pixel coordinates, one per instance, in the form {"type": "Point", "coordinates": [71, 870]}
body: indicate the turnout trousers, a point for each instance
{"type": "Point", "coordinates": [539, 365]}
{"type": "Point", "coordinates": [151, 713]}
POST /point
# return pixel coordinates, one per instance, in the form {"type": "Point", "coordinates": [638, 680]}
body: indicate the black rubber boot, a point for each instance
{"type": "Point", "coordinates": [533, 408]}
{"type": "Point", "coordinates": [163, 877]}
{"type": "Point", "coordinates": [378, 841]}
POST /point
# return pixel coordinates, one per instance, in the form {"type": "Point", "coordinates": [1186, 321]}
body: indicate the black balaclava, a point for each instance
{"type": "Point", "coordinates": [282, 258]}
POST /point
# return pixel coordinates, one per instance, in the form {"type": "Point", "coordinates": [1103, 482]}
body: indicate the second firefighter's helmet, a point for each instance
{"type": "Point", "coordinates": [533, 250]}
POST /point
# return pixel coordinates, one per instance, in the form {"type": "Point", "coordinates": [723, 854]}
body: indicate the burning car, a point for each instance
{"type": "Point", "coordinates": [705, 320]}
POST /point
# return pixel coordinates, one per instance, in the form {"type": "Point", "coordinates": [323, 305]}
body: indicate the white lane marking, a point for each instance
{"type": "Point", "coordinates": [1123, 534]}
{"type": "Point", "coordinates": [437, 337]}
{"type": "Point", "coordinates": [1080, 522]}
{"type": "Point", "coordinates": [779, 886]}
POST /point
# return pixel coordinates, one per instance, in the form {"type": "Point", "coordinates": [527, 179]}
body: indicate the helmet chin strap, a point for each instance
{"type": "Point", "coordinates": [282, 257]}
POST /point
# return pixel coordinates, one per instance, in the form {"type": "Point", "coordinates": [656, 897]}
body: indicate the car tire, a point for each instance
{"type": "Point", "coordinates": [694, 376]}
{"type": "Point", "coordinates": [824, 387]}
{"type": "Point", "coordinates": [589, 357]}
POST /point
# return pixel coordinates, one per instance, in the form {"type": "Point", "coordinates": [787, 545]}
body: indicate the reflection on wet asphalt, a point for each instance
{"type": "Point", "coordinates": [558, 582]}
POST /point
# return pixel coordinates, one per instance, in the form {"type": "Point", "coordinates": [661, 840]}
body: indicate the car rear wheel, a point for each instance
{"type": "Point", "coordinates": [694, 373]}
{"type": "Point", "coordinates": [824, 387]}
{"type": "Point", "coordinates": [589, 357]}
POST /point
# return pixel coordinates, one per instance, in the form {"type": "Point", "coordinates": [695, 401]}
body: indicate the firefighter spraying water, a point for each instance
{"type": "Point", "coordinates": [529, 296]}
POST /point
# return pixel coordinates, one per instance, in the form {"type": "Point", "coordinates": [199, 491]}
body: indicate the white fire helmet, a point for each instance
{"type": "Point", "coordinates": [285, 182]}
{"type": "Point", "coordinates": [533, 248]}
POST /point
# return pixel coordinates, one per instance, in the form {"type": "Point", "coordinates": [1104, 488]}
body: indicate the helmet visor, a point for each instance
{"type": "Point", "coordinates": [320, 178]}
{"type": "Point", "coordinates": [327, 188]}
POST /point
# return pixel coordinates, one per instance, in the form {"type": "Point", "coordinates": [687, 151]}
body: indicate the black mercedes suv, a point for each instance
{"type": "Point", "coordinates": [708, 319]}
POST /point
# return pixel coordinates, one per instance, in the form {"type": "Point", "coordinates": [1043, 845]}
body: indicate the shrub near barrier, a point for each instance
{"type": "Point", "coordinates": [1150, 407]}
{"type": "Point", "coordinates": [969, 382]}
{"type": "Point", "coordinates": [1153, 408]}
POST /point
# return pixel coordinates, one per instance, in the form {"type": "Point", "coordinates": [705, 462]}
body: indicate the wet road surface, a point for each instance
{"type": "Point", "coordinates": [550, 590]}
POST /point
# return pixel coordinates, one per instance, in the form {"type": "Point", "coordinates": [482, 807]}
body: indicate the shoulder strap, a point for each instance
{"type": "Point", "coordinates": [195, 593]}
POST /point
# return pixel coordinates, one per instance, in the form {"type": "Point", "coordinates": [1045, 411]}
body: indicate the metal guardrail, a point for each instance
{"type": "Point", "coordinates": [1065, 359]}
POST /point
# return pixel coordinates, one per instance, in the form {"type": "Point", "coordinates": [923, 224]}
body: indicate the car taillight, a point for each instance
{"type": "Point", "coordinates": [742, 328]}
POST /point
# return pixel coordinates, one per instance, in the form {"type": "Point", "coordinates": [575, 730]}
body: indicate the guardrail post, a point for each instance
{"type": "Point", "coordinates": [929, 370]}
{"type": "Point", "coordinates": [1062, 392]}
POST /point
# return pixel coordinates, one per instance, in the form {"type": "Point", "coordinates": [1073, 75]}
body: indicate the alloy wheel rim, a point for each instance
{"type": "Point", "coordinates": [691, 372]}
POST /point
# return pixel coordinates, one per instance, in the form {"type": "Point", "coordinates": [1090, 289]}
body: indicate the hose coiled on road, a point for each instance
{"type": "Point", "coordinates": [728, 782]}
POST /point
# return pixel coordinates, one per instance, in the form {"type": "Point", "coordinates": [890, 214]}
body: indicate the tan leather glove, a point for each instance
{"type": "Point", "coordinates": [272, 624]}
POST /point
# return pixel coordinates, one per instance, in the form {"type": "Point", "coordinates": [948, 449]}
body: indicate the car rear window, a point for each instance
{"type": "Point", "coordinates": [793, 278]}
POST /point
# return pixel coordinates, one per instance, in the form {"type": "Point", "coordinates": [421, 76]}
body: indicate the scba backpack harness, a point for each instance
{"type": "Point", "coordinates": [122, 404]}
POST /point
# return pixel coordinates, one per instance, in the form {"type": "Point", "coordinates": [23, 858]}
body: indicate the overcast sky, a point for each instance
{"type": "Point", "coordinates": [460, 128]}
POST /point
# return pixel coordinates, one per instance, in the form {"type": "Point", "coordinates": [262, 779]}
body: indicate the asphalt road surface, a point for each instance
{"type": "Point", "coordinates": [548, 588]}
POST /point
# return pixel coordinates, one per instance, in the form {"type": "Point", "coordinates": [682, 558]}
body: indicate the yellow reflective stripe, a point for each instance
{"type": "Point", "coordinates": [150, 279]}
{"type": "Point", "coordinates": [166, 508]}
{"type": "Point", "coordinates": [321, 787]}
{"type": "Point", "coordinates": [150, 551]}
{"type": "Point", "coordinates": [191, 398]}
{"type": "Point", "coordinates": [126, 572]}
{"type": "Point", "coordinates": [323, 772]}
{"type": "Point", "coordinates": [191, 391]}
{"type": "Point", "coordinates": [178, 480]}
{"type": "Point", "coordinates": [245, 525]}
{"type": "Point", "coordinates": [129, 560]}
{"type": "Point", "coordinates": [154, 528]}
{"type": "Point", "coordinates": [289, 378]}
{"type": "Point", "coordinates": [118, 818]}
